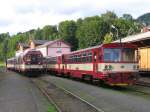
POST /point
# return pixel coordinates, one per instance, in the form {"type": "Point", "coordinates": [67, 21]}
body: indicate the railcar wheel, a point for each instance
{"type": "Point", "coordinates": [102, 83]}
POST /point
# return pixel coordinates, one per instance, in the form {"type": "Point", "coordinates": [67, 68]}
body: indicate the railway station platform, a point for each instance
{"type": "Point", "coordinates": [18, 94]}
{"type": "Point", "coordinates": [145, 79]}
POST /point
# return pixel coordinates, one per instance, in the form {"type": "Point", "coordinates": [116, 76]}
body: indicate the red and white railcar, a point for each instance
{"type": "Point", "coordinates": [11, 63]}
{"type": "Point", "coordinates": [30, 60]}
{"type": "Point", "coordinates": [114, 63]}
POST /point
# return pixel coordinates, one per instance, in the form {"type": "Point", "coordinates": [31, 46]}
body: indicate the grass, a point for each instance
{"type": "Point", "coordinates": [51, 109]}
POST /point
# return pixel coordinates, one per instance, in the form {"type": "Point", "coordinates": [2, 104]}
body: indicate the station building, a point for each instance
{"type": "Point", "coordinates": [54, 48]}
{"type": "Point", "coordinates": [47, 48]}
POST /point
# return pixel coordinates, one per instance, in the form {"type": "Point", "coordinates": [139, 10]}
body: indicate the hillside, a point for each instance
{"type": "Point", "coordinates": [145, 18]}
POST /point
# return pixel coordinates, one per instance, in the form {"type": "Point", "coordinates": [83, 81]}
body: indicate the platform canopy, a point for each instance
{"type": "Point", "coordinates": [141, 39]}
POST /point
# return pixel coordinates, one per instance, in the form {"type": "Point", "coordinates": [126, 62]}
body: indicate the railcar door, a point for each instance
{"type": "Point", "coordinates": [95, 57]}
{"type": "Point", "coordinates": [58, 62]}
{"type": "Point", "coordinates": [63, 64]}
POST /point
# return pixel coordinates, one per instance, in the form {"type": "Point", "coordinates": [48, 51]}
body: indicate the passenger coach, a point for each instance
{"type": "Point", "coordinates": [113, 64]}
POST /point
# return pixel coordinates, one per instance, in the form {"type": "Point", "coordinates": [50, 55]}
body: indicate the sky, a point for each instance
{"type": "Point", "coordinates": [23, 15]}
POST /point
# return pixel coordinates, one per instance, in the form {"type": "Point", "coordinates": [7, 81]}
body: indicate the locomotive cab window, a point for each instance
{"type": "Point", "coordinates": [128, 54]}
{"type": "Point", "coordinates": [112, 54]}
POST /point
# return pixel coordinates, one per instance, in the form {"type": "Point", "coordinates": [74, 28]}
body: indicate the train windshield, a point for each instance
{"type": "Point", "coordinates": [118, 54]}
{"type": "Point", "coordinates": [33, 58]}
{"type": "Point", "coordinates": [128, 54]}
{"type": "Point", "coordinates": [112, 54]}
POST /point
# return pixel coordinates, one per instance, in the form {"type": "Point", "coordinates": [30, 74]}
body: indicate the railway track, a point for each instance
{"type": "Point", "coordinates": [46, 94]}
{"type": "Point", "coordinates": [64, 100]}
{"type": "Point", "coordinates": [142, 83]}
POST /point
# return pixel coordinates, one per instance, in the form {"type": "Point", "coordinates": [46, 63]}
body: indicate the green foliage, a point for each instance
{"type": "Point", "coordinates": [67, 31]}
{"type": "Point", "coordinates": [127, 17]}
{"type": "Point", "coordinates": [47, 31]}
{"type": "Point", "coordinates": [108, 38]}
{"type": "Point", "coordinates": [109, 16]}
{"type": "Point", "coordinates": [82, 33]}
{"type": "Point", "coordinates": [38, 34]}
{"type": "Point", "coordinates": [91, 32]}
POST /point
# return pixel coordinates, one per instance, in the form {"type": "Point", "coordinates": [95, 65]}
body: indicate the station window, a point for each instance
{"type": "Point", "coordinates": [59, 44]}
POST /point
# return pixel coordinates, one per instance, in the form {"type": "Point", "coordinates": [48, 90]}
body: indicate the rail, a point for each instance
{"type": "Point", "coordinates": [69, 93]}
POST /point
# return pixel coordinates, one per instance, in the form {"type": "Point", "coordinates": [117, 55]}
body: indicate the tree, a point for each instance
{"type": "Point", "coordinates": [109, 16]}
{"type": "Point", "coordinates": [38, 34]}
{"type": "Point", "coordinates": [5, 50]}
{"type": "Point", "coordinates": [67, 31]}
{"type": "Point", "coordinates": [3, 36]}
{"type": "Point", "coordinates": [108, 38]}
{"type": "Point", "coordinates": [47, 31]}
{"type": "Point", "coordinates": [127, 17]}
{"type": "Point", "coordinates": [92, 31]}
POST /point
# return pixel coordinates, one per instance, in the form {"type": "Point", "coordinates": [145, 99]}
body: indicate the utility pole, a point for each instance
{"type": "Point", "coordinates": [117, 32]}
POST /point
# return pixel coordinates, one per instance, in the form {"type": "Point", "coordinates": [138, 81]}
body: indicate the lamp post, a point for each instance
{"type": "Point", "coordinates": [117, 32]}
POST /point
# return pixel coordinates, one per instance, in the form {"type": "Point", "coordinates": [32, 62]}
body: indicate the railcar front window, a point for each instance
{"type": "Point", "coordinates": [128, 54]}
{"type": "Point", "coordinates": [112, 55]}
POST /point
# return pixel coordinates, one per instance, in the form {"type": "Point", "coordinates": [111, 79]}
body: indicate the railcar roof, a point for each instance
{"type": "Point", "coordinates": [94, 47]}
{"type": "Point", "coordinates": [40, 42]}
{"type": "Point", "coordinates": [102, 45]}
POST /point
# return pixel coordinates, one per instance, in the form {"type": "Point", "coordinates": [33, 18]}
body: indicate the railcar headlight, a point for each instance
{"type": "Point", "coordinates": [106, 67]}
{"type": "Point", "coordinates": [110, 67]}
{"type": "Point", "coordinates": [134, 67]}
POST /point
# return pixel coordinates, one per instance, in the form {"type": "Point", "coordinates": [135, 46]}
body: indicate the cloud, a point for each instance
{"type": "Point", "coordinates": [5, 23]}
{"type": "Point", "coordinates": [22, 15]}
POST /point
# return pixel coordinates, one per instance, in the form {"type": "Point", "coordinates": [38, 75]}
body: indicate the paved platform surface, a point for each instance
{"type": "Point", "coordinates": [18, 94]}
{"type": "Point", "coordinates": [145, 79]}
{"type": "Point", "coordinates": [107, 99]}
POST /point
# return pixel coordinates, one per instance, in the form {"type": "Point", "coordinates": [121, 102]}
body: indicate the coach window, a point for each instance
{"type": "Point", "coordinates": [79, 58]}
{"type": "Point", "coordinates": [95, 57]}
{"type": "Point", "coordinates": [71, 58]}
{"type": "Point", "coordinates": [89, 57]}
{"type": "Point", "coordinates": [128, 54]}
{"type": "Point", "coordinates": [84, 57]}
{"type": "Point", "coordinates": [75, 58]}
